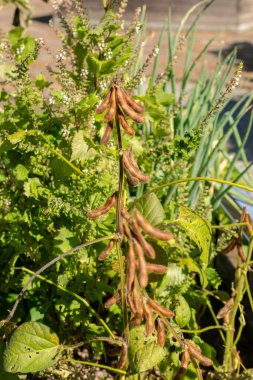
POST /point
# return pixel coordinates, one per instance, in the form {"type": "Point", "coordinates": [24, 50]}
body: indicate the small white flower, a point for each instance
{"type": "Point", "coordinates": [51, 100]}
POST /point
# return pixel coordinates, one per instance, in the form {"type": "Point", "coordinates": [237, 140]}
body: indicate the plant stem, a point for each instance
{"type": "Point", "coordinates": [81, 299]}
{"type": "Point", "coordinates": [239, 291]}
{"type": "Point", "coordinates": [119, 229]}
{"type": "Point", "coordinates": [120, 371]}
{"type": "Point", "coordinates": [207, 179]}
{"type": "Point", "coordinates": [49, 264]}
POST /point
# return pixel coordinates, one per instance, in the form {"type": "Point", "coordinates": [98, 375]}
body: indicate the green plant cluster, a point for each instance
{"type": "Point", "coordinates": [53, 171]}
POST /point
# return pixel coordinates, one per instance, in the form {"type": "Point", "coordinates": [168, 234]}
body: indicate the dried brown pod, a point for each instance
{"type": "Point", "coordinates": [129, 168]}
{"type": "Point", "coordinates": [129, 130]}
{"type": "Point", "coordinates": [226, 309]}
{"type": "Point", "coordinates": [160, 309]}
{"type": "Point", "coordinates": [150, 230]}
{"type": "Point", "coordinates": [104, 104]}
{"type": "Point", "coordinates": [131, 267]}
{"type": "Point", "coordinates": [123, 357]}
{"type": "Point", "coordinates": [148, 314]}
{"type": "Point", "coordinates": [137, 299]}
{"type": "Point", "coordinates": [125, 107]}
{"type": "Point", "coordinates": [111, 301]}
{"type": "Point", "coordinates": [153, 268]}
{"type": "Point", "coordinates": [184, 365]}
{"type": "Point", "coordinates": [136, 321]}
{"type": "Point", "coordinates": [143, 274]}
{"type": "Point", "coordinates": [111, 201]}
{"type": "Point", "coordinates": [132, 181]}
{"type": "Point", "coordinates": [106, 252]}
{"type": "Point", "coordinates": [148, 249]}
{"type": "Point", "coordinates": [195, 352]}
{"type": "Point", "coordinates": [107, 134]}
{"type": "Point", "coordinates": [139, 108]}
{"type": "Point", "coordinates": [130, 156]}
{"type": "Point", "coordinates": [112, 107]}
{"type": "Point", "coordinates": [131, 304]}
{"type": "Point", "coordinates": [161, 333]}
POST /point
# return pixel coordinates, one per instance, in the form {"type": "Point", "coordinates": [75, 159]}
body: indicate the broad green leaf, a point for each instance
{"type": "Point", "coordinates": [80, 149]}
{"type": "Point", "coordinates": [213, 277]}
{"type": "Point", "coordinates": [31, 187]}
{"type": "Point", "coordinates": [164, 98]}
{"type": "Point", "coordinates": [182, 311]}
{"type": "Point", "coordinates": [65, 240]}
{"type": "Point", "coordinates": [151, 208]}
{"type": "Point", "coordinates": [198, 229]}
{"type": "Point", "coordinates": [16, 137]}
{"type": "Point", "coordinates": [144, 352]}
{"type": "Point", "coordinates": [174, 281]}
{"type": "Point", "coordinates": [20, 172]}
{"type": "Point", "coordinates": [193, 266]}
{"type": "Point", "coordinates": [32, 347]}
{"type": "Point", "coordinates": [3, 374]}
{"type": "Point", "coordinates": [15, 34]}
{"type": "Point", "coordinates": [41, 82]}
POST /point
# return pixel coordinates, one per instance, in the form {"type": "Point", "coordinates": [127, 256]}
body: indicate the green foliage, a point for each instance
{"type": "Point", "coordinates": [32, 347]}
{"type": "Point", "coordinates": [53, 170]}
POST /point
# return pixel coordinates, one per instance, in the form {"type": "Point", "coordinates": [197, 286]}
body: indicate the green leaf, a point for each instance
{"type": "Point", "coordinates": [16, 137]}
{"type": "Point", "coordinates": [182, 311]}
{"type": "Point", "coordinates": [175, 281]}
{"type": "Point", "coordinates": [20, 172]}
{"type": "Point", "coordinates": [32, 347]}
{"type": "Point", "coordinates": [3, 374]}
{"type": "Point", "coordinates": [151, 208]}
{"type": "Point", "coordinates": [198, 229]}
{"type": "Point", "coordinates": [41, 82]}
{"type": "Point", "coordinates": [144, 352]}
{"type": "Point", "coordinates": [15, 34]}
{"type": "Point", "coordinates": [31, 187]}
{"type": "Point", "coordinates": [65, 240]}
{"type": "Point", "coordinates": [213, 277]}
{"type": "Point", "coordinates": [164, 98]}
{"type": "Point", "coordinates": [80, 149]}
{"type": "Point", "coordinates": [193, 266]}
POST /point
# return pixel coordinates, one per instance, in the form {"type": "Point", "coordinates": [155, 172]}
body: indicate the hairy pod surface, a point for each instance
{"type": "Point", "coordinates": [148, 249]}
{"type": "Point", "coordinates": [195, 352]}
{"type": "Point", "coordinates": [150, 230]}
{"type": "Point", "coordinates": [131, 267]}
{"type": "Point", "coordinates": [148, 314]}
{"type": "Point", "coordinates": [111, 201]}
{"type": "Point", "coordinates": [131, 169]}
{"type": "Point", "coordinates": [129, 130]}
{"type": "Point", "coordinates": [123, 357]}
{"type": "Point", "coordinates": [159, 309]}
{"type": "Point", "coordinates": [125, 107]}
{"type": "Point", "coordinates": [112, 107]}
{"type": "Point", "coordinates": [106, 252]}
{"type": "Point", "coordinates": [161, 333]}
{"type": "Point", "coordinates": [105, 103]}
{"type": "Point", "coordinates": [111, 301]}
{"type": "Point", "coordinates": [139, 108]}
{"type": "Point", "coordinates": [107, 134]}
{"type": "Point", "coordinates": [143, 274]}
{"type": "Point", "coordinates": [184, 365]}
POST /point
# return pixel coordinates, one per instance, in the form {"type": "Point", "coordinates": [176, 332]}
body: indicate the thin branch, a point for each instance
{"type": "Point", "coordinates": [49, 264]}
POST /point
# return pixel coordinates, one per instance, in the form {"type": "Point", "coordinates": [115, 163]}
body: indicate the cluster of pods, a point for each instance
{"type": "Point", "coordinates": [119, 106]}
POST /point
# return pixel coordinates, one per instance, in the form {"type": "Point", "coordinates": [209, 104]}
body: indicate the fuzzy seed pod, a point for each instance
{"type": "Point", "coordinates": [123, 357]}
{"type": "Point", "coordinates": [148, 314]}
{"type": "Point", "coordinates": [131, 267]}
{"type": "Point", "coordinates": [184, 365]}
{"type": "Point", "coordinates": [107, 134]}
{"type": "Point", "coordinates": [148, 249]}
{"type": "Point", "coordinates": [137, 299]}
{"type": "Point", "coordinates": [129, 130]}
{"type": "Point", "coordinates": [106, 252]}
{"type": "Point", "coordinates": [111, 301]}
{"type": "Point", "coordinates": [143, 274]}
{"type": "Point", "coordinates": [139, 108]}
{"type": "Point", "coordinates": [131, 159]}
{"type": "Point", "coordinates": [136, 321]}
{"type": "Point", "coordinates": [112, 107]}
{"type": "Point", "coordinates": [102, 106]}
{"type": "Point", "coordinates": [160, 309]}
{"type": "Point", "coordinates": [150, 230]}
{"type": "Point", "coordinates": [131, 304]}
{"type": "Point", "coordinates": [132, 181]}
{"type": "Point", "coordinates": [226, 309]}
{"type": "Point", "coordinates": [161, 333]}
{"type": "Point", "coordinates": [195, 352]}
{"type": "Point", "coordinates": [126, 109]}
{"type": "Point", "coordinates": [111, 201]}
{"type": "Point", "coordinates": [153, 268]}
{"type": "Point", "coordinates": [133, 171]}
